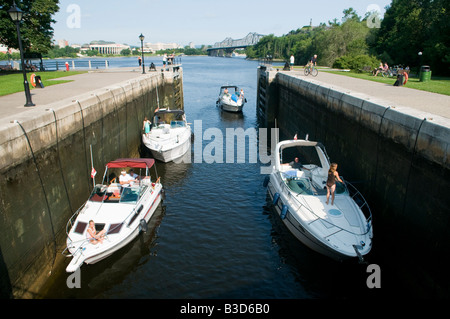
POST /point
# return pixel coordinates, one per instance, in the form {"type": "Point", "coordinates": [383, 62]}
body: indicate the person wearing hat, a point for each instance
{"type": "Point", "coordinates": [125, 179]}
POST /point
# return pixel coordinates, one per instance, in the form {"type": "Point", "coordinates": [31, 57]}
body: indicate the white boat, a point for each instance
{"type": "Point", "coordinates": [121, 211]}
{"type": "Point", "coordinates": [231, 98]}
{"type": "Point", "coordinates": [170, 135]}
{"type": "Point", "coordinates": [342, 230]}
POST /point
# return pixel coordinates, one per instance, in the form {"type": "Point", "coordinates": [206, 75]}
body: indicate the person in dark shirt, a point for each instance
{"type": "Point", "coordinates": [313, 60]}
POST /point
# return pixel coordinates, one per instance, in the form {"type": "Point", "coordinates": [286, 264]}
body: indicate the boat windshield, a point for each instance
{"type": "Point", "coordinates": [130, 194]}
{"type": "Point", "coordinates": [175, 124]}
{"type": "Point", "coordinates": [300, 186]}
{"type": "Point", "coordinates": [117, 194]}
{"type": "Point", "coordinates": [98, 194]}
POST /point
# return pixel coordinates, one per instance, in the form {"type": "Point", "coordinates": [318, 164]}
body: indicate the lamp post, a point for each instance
{"type": "Point", "coordinates": [141, 37]}
{"type": "Point", "coordinates": [16, 15]}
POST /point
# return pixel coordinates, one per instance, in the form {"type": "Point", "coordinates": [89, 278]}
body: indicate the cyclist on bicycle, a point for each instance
{"type": "Point", "coordinates": [313, 60]}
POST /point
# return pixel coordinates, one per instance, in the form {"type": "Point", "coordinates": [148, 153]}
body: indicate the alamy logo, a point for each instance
{"type": "Point", "coordinates": [232, 148]}
{"type": "Point", "coordinates": [74, 19]}
{"type": "Point", "coordinates": [374, 279]}
{"type": "Point", "coordinates": [74, 280]}
{"type": "Point", "coordinates": [373, 20]}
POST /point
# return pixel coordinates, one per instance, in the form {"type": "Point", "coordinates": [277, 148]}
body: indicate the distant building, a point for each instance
{"type": "Point", "coordinates": [153, 47]}
{"type": "Point", "coordinates": [113, 48]}
{"type": "Point", "coordinates": [62, 43]}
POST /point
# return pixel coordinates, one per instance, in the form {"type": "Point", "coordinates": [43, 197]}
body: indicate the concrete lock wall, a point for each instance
{"type": "Point", "coordinates": [398, 157]}
{"type": "Point", "coordinates": [46, 167]}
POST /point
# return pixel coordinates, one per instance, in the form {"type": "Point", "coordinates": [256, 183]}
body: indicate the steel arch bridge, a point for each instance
{"type": "Point", "coordinates": [227, 46]}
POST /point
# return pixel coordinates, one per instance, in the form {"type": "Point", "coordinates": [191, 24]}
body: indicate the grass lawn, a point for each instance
{"type": "Point", "coordinates": [439, 85]}
{"type": "Point", "coordinates": [12, 83]}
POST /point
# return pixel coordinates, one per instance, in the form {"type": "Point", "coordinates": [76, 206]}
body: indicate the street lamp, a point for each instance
{"type": "Point", "coordinates": [141, 37]}
{"type": "Point", "coordinates": [16, 15]}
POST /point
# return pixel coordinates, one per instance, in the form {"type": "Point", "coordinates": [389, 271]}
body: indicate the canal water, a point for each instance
{"type": "Point", "coordinates": [215, 235]}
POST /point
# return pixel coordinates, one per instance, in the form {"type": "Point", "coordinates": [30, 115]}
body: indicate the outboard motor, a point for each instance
{"type": "Point", "coordinates": [143, 227]}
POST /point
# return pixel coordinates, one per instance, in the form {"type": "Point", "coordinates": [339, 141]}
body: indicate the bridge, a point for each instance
{"type": "Point", "coordinates": [227, 46]}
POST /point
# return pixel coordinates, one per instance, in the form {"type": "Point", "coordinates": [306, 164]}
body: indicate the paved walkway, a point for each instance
{"type": "Point", "coordinates": [13, 105]}
{"type": "Point", "coordinates": [437, 104]}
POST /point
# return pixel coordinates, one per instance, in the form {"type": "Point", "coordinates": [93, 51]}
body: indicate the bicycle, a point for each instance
{"type": "Point", "coordinates": [310, 69]}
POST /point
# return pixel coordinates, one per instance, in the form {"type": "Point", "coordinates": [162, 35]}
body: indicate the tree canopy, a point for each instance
{"type": "Point", "coordinates": [35, 28]}
{"type": "Point", "coordinates": [408, 27]}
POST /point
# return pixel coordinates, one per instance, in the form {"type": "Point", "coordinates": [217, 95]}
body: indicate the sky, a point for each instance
{"type": "Point", "coordinates": [197, 21]}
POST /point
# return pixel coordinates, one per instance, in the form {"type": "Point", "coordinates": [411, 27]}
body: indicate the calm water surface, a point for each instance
{"type": "Point", "coordinates": [216, 236]}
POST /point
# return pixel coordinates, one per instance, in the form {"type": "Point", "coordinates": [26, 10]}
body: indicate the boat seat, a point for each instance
{"type": "Point", "coordinates": [114, 188]}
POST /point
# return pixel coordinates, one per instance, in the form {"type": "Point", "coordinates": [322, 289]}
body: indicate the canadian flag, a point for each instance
{"type": "Point", "coordinates": [93, 172]}
{"type": "Point", "coordinates": [295, 137]}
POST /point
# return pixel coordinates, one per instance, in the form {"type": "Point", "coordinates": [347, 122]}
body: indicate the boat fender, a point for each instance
{"type": "Point", "coordinates": [266, 181]}
{"type": "Point", "coordinates": [276, 197]}
{"type": "Point", "coordinates": [143, 227]}
{"type": "Point", "coordinates": [284, 212]}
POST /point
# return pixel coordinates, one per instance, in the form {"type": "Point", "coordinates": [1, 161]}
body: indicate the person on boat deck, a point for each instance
{"type": "Point", "coordinates": [296, 163]}
{"type": "Point", "coordinates": [134, 176]}
{"type": "Point", "coordinates": [333, 175]}
{"type": "Point", "coordinates": [125, 179]}
{"type": "Point", "coordinates": [94, 236]}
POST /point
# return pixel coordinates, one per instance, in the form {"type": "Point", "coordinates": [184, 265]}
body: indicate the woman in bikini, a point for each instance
{"type": "Point", "coordinates": [94, 236]}
{"type": "Point", "coordinates": [331, 181]}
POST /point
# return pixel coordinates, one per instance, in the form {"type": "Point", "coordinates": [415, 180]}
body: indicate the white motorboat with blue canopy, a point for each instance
{"type": "Point", "coordinates": [342, 230]}
{"type": "Point", "coordinates": [120, 210]}
{"type": "Point", "coordinates": [231, 98]}
{"type": "Point", "coordinates": [170, 135]}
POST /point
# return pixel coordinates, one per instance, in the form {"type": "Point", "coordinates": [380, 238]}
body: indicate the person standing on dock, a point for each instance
{"type": "Point", "coordinates": [292, 59]}
{"type": "Point", "coordinates": [164, 60]}
{"type": "Point", "coordinates": [140, 61]}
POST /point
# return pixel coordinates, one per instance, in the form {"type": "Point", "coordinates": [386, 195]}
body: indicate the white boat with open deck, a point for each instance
{"type": "Point", "coordinates": [120, 210]}
{"type": "Point", "coordinates": [342, 230]}
{"type": "Point", "coordinates": [170, 135]}
{"type": "Point", "coordinates": [231, 98]}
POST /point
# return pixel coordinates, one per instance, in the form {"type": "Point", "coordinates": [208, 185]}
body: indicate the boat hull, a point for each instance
{"type": "Point", "coordinates": [173, 153]}
{"type": "Point", "coordinates": [83, 252]}
{"type": "Point", "coordinates": [96, 258]}
{"type": "Point", "coordinates": [300, 232]}
{"type": "Point", "coordinates": [299, 228]}
{"type": "Point", "coordinates": [231, 108]}
{"type": "Point", "coordinates": [169, 146]}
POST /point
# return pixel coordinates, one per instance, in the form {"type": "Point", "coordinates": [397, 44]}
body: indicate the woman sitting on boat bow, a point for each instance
{"type": "Point", "coordinates": [94, 236]}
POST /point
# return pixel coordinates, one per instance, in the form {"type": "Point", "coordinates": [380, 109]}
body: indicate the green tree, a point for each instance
{"type": "Point", "coordinates": [35, 28]}
{"type": "Point", "coordinates": [412, 26]}
{"type": "Point", "coordinates": [125, 52]}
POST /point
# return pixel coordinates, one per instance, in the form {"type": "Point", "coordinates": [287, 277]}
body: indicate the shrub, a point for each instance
{"type": "Point", "coordinates": [356, 62]}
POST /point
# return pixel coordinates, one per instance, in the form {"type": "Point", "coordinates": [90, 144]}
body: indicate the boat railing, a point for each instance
{"type": "Point", "coordinates": [354, 193]}
{"type": "Point", "coordinates": [359, 199]}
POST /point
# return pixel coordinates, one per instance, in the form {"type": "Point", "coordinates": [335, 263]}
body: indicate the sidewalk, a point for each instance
{"type": "Point", "coordinates": [13, 104]}
{"type": "Point", "coordinates": [433, 103]}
